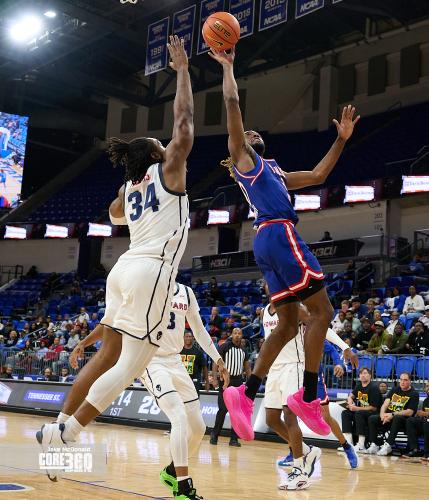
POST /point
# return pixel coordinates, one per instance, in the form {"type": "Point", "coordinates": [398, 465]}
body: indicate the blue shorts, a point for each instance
{"type": "Point", "coordinates": [291, 271]}
{"type": "Point", "coordinates": [322, 391]}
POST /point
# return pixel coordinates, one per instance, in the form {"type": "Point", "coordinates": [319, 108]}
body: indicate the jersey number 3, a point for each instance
{"type": "Point", "coordinates": [136, 201]}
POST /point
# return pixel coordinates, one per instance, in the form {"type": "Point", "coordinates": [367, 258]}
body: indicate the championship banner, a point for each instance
{"type": "Point", "coordinates": [183, 26]}
{"type": "Point", "coordinates": [304, 7]}
{"type": "Point", "coordinates": [156, 50]}
{"type": "Point", "coordinates": [272, 13]}
{"type": "Point", "coordinates": [244, 12]}
{"type": "Point", "coordinates": [207, 7]}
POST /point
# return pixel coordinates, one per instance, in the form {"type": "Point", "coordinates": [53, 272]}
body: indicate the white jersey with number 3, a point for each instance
{"type": "Point", "coordinates": [157, 218]}
{"type": "Point", "coordinates": [293, 351]}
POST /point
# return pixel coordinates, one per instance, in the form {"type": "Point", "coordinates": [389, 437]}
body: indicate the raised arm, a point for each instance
{"type": "Point", "coordinates": [116, 209]}
{"type": "Point", "coordinates": [319, 174]}
{"type": "Point", "coordinates": [241, 152]}
{"type": "Point", "coordinates": [182, 140]}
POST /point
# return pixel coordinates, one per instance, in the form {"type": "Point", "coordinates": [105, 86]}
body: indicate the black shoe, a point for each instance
{"type": "Point", "coordinates": [186, 490]}
{"type": "Point", "coordinates": [213, 439]}
{"type": "Point", "coordinates": [412, 454]}
{"type": "Point", "coordinates": [234, 442]}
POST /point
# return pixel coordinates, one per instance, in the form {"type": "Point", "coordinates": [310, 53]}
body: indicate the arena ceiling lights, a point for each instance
{"type": "Point", "coordinates": [26, 28]}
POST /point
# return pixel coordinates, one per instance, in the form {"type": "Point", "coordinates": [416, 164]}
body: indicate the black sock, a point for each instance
{"type": "Point", "coordinates": [185, 486]}
{"type": "Point", "coordinates": [252, 386]}
{"type": "Point", "coordinates": [171, 470]}
{"type": "Point", "coordinates": [345, 445]}
{"type": "Point", "coordinates": [310, 386]}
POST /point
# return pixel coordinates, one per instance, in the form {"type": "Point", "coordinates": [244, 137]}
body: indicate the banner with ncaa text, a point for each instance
{"type": "Point", "coordinates": [244, 12]}
{"type": "Point", "coordinates": [183, 26]}
{"type": "Point", "coordinates": [156, 50]}
{"type": "Point", "coordinates": [207, 8]}
{"type": "Point", "coordinates": [304, 7]}
{"type": "Point", "coordinates": [272, 13]}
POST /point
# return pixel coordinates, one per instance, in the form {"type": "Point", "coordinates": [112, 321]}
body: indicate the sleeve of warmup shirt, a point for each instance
{"type": "Point", "coordinates": [200, 333]}
{"type": "Point", "coordinates": [333, 338]}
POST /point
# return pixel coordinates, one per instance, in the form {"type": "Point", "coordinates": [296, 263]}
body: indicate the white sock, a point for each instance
{"type": "Point", "coordinates": [349, 437]}
{"type": "Point", "coordinates": [306, 449]}
{"type": "Point", "coordinates": [361, 441]}
{"type": "Point", "coordinates": [182, 478]}
{"type": "Point", "coordinates": [72, 429]}
{"type": "Point", "coordinates": [299, 462]}
{"type": "Point", "coordinates": [62, 417]}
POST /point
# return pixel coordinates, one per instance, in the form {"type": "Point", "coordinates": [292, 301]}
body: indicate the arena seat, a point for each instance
{"type": "Point", "coordinates": [405, 364]}
{"type": "Point", "coordinates": [385, 366]}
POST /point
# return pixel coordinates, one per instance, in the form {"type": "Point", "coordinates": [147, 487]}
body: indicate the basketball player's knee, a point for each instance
{"type": "Point", "coordinates": [195, 419]}
{"type": "Point", "coordinates": [178, 417]}
{"type": "Point", "coordinates": [273, 420]}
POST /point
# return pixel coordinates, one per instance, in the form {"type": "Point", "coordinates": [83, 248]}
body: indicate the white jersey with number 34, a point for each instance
{"type": "Point", "coordinates": [157, 218]}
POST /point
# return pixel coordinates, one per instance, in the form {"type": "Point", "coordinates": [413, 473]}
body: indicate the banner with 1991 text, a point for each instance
{"type": "Point", "coordinates": [304, 7]}
{"type": "Point", "coordinates": [272, 13]}
{"type": "Point", "coordinates": [207, 8]}
{"type": "Point", "coordinates": [183, 26]}
{"type": "Point", "coordinates": [156, 50]}
{"type": "Point", "coordinates": [244, 12]}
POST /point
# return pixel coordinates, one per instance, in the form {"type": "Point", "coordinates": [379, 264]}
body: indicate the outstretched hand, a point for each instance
{"type": "Point", "coordinates": [222, 57]}
{"type": "Point", "coordinates": [178, 56]}
{"type": "Point", "coordinates": [76, 354]}
{"type": "Point", "coordinates": [346, 126]}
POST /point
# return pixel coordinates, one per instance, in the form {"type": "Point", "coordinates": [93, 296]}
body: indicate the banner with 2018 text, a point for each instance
{"type": "Point", "coordinates": [207, 8]}
{"type": "Point", "coordinates": [183, 26]}
{"type": "Point", "coordinates": [156, 50]}
{"type": "Point", "coordinates": [304, 7]}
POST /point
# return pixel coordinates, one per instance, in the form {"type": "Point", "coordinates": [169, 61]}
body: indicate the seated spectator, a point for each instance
{"type": "Point", "coordinates": [364, 401]}
{"type": "Point", "coordinates": [48, 376]}
{"type": "Point", "coordinates": [93, 322]}
{"type": "Point", "coordinates": [400, 403]}
{"type": "Point", "coordinates": [25, 330]}
{"type": "Point", "coordinates": [12, 340]}
{"type": "Point", "coordinates": [43, 349]}
{"type": "Point", "coordinates": [398, 300]}
{"type": "Point", "coordinates": [83, 315]}
{"type": "Point", "coordinates": [7, 372]}
{"type": "Point", "coordinates": [396, 342]}
{"type": "Point", "coordinates": [394, 318]}
{"type": "Point", "coordinates": [66, 321]}
{"type": "Point", "coordinates": [257, 320]}
{"type": "Point", "coordinates": [418, 340]}
{"type": "Point", "coordinates": [326, 237]}
{"type": "Point", "coordinates": [414, 307]}
{"type": "Point", "coordinates": [349, 273]}
{"type": "Point", "coordinates": [54, 350]}
{"type": "Point", "coordinates": [246, 327]}
{"type": "Point", "coordinates": [416, 267]}
{"type": "Point", "coordinates": [244, 305]}
{"type": "Point", "coordinates": [349, 334]}
{"type": "Point", "coordinates": [357, 309]}
{"type": "Point", "coordinates": [376, 316]}
{"type": "Point", "coordinates": [49, 337]}
{"type": "Point", "coordinates": [354, 321]}
{"type": "Point", "coordinates": [379, 338]}
{"type": "Point", "coordinates": [223, 338]}
{"type": "Point", "coordinates": [216, 319]}
{"type": "Point", "coordinates": [32, 272]}
{"type": "Point", "coordinates": [370, 304]}
{"type": "Point", "coordinates": [229, 326]}
{"type": "Point", "coordinates": [255, 353]}
{"type": "Point", "coordinates": [364, 334]}
{"type": "Point", "coordinates": [383, 388]}
{"type": "Point", "coordinates": [425, 318]}
{"type": "Point", "coordinates": [246, 346]}
{"type": "Point", "coordinates": [419, 426]}
{"type": "Point", "coordinates": [65, 375]}
{"type": "Point", "coordinates": [374, 296]}
{"type": "Point", "coordinates": [338, 323]}
{"type": "Point", "coordinates": [214, 294]}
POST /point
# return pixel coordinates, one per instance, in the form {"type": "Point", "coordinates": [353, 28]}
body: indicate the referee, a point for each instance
{"type": "Point", "coordinates": [236, 362]}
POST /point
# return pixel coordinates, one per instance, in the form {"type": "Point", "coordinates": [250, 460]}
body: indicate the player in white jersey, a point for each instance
{"type": "Point", "coordinates": [167, 379]}
{"type": "Point", "coordinates": [286, 377]}
{"type": "Point", "coordinates": [140, 285]}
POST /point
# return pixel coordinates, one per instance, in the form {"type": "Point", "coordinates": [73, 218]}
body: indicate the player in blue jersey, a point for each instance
{"type": "Point", "coordinates": [292, 272]}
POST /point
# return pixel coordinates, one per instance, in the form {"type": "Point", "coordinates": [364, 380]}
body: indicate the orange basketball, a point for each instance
{"type": "Point", "coordinates": [221, 31]}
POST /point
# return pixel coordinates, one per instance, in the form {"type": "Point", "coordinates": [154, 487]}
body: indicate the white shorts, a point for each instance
{"type": "Point", "coordinates": [281, 383]}
{"type": "Point", "coordinates": [138, 296]}
{"type": "Point", "coordinates": [167, 374]}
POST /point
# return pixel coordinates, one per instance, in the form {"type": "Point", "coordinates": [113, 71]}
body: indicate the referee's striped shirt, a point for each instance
{"type": "Point", "coordinates": [234, 358]}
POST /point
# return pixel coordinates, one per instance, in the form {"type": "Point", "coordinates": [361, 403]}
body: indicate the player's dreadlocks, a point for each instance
{"type": "Point", "coordinates": [135, 156]}
{"type": "Point", "coordinates": [227, 163]}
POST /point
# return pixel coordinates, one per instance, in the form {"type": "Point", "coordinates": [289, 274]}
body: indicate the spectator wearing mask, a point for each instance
{"type": "Point", "coordinates": [393, 321]}
{"type": "Point", "coordinates": [65, 375]}
{"type": "Point", "coordinates": [364, 401]}
{"type": "Point", "coordinates": [7, 373]}
{"type": "Point", "coordinates": [354, 321]}
{"type": "Point", "coordinates": [425, 318]}
{"type": "Point", "coordinates": [195, 362]}
{"type": "Point", "coordinates": [418, 340]}
{"type": "Point", "coordinates": [400, 404]}
{"type": "Point", "coordinates": [48, 376]}
{"type": "Point", "coordinates": [358, 310]}
{"type": "Point", "coordinates": [419, 426]}
{"type": "Point", "coordinates": [364, 334]}
{"type": "Point", "coordinates": [379, 338]}
{"type": "Point", "coordinates": [216, 319]}
{"type": "Point", "coordinates": [414, 307]}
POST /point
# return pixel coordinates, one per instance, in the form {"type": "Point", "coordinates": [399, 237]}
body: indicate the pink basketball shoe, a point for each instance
{"type": "Point", "coordinates": [309, 413]}
{"type": "Point", "coordinates": [240, 409]}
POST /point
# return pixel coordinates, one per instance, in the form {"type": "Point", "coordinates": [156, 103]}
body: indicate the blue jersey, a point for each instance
{"type": "Point", "coordinates": [266, 192]}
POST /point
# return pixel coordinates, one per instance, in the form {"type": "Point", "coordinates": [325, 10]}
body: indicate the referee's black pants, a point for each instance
{"type": "Point", "coordinates": [221, 414]}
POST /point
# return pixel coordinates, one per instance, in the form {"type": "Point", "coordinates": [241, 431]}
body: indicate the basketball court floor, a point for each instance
{"type": "Point", "coordinates": [136, 455]}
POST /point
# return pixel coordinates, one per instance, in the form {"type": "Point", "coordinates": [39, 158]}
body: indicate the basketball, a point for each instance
{"type": "Point", "coordinates": [221, 31]}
